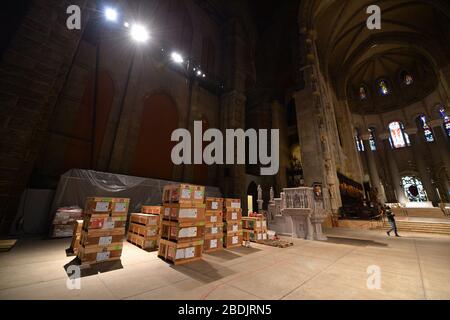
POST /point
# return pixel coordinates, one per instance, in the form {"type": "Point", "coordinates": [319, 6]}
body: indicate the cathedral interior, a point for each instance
{"type": "Point", "coordinates": [363, 112]}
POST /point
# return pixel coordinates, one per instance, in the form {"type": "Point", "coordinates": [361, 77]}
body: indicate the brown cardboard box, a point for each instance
{"type": "Point", "coordinates": [88, 240]}
{"type": "Point", "coordinates": [184, 193]}
{"type": "Point", "coordinates": [145, 219]}
{"type": "Point", "coordinates": [105, 232]}
{"type": "Point", "coordinates": [89, 255]}
{"type": "Point", "coordinates": [254, 235]}
{"type": "Point", "coordinates": [213, 243]}
{"type": "Point", "coordinates": [232, 203]}
{"type": "Point", "coordinates": [213, 216]}
{"type": "Point", "coordinates": [255, 223]}
{"type": "Point", "coordinates": [150, 231]}
{"type": "Point", "coordinates": [104, 205]}
{"type": "Point", "coordinates": [120, 206]}
{"type": "Point", "coordinates": [63, 230]}
{"type": "Point", "coordinates": [152, 209]}
{"type": "Point", "coordinates": [214, 229]}
{"type": "Point", "coordinates": [232, 215]}
{"type": "Point", "coordinates": [182, 232]}
{"type": "Point", "coordinates": [214, 204]}
{"type": "Point", "coordinates": [232, 226]}
{"type": "Point", "coordinates": [145, 243]}
{"type": "Point", "coordinates": [231, 240]}
{"type": "Point", "coordinates": [76, 238]}
{"type": "Point", "coordinates": [104, 221]}
{"type": "Point", "coordinates": [180, 253]}
{"type": "Point", "coordinates": [184, 212]}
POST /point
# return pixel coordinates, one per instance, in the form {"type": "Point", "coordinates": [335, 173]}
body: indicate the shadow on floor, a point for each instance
{"type": "Point", "coordinates": [355, 242]}
{"type": "Point", "coordinates": [204, 271]}
{"type": "Point", "coordinates": [94, 269]}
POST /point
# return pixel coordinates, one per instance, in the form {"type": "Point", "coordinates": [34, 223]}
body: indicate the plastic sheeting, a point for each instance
{"type": "Point", "coordinates": [76, 185]}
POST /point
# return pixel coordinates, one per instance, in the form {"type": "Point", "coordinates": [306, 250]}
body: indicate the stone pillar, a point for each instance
{"type": "Point", "coordinates": [372, 166]}
{"type": "Point", "coordinates": [442, 168]}
{"type": "Point", "coordinates": [393, 168]}
{"type": "Point", "coordinates": [419, 152]}
{"type": "Point", "coordinates": [279, 122]}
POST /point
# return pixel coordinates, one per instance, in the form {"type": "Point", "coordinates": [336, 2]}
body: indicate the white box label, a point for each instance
{"type": "Point", "coordinates": [120, 207]}
{"type": "Point", "coordinates": [234, 216]}
{"type": "Point", "coordinates": [213, 244]}
{"type": "Point", "coordinates": [235, 240]}
{"type": "Point", "coordinates": [214, 205]}
{"type": "Point", "coordinates": [108, 224]}
{"type": "Point", "coordinates": [264, 236]}
{"type": "Point", "coordinates": [259, 236]}
{"type": "Point", "coordinates": [179, 254]}
{"type": "Point", "coordinates": [258, 224]}
{"type": "Point", "coordinates": [213, 218]}
{"type": "Point", "coordinates": [151, 232]}
{"type": "Point", "coordinates": [214, 230]}
{"type": "Point", "coordinates": [102, 256]}
{"type": "Point", "coordinates": [186, 194]}
{"type": "Point", "coordinates": [198, 195]}
{"type": "Point", "coordinates": [102, 206]}
{"type": "Point", "coordinates": [264, 223]}
{"type": "Point", "coordinates": [167, 212]}
{"type": "Point", "coordinates": [190, 252]}
{"type": "Point", "coordinates": [188, 232]}
{"type": "Point", "coordinates": [104, 241]}
{"type": "Point", "coordinates": [235, 228]}
{"type": "Point", "coordinates": [235, 205]}
{"type": "Point", "coordinates": [188, 213]}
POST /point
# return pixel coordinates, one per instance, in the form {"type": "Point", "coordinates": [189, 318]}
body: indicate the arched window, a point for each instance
{"type": "Point", "coordinates": [383, 88]}
{"type": "Point", "coordinates": [414, 189]}
{"type": "Point", "coordinates": [406, 78]}
{"type": "Point", "coordinates": [372, 139]}
{"type": "Point", "coordinates": [426, 128]}
{"type": "Point", "coordinates": [363, 93]}
{"type": "Point", "coordinates": [399, 138]}
{"type": "Point", "coordinates": [359, 142]}
{"type": "Point", "coordinates": [446, 119]}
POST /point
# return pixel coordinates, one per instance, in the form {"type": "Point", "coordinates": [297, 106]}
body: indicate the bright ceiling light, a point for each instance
{"type": "Point", "coordinates": [199, 72]}
{"type": "Point", "coordinates": [111, 14]}
{"type": "Point", "coordinates": [177, 58]}
{"type": "Point", "coordinates": [139, 33]}
{"type": "Point", "coordinates": [126, 24]}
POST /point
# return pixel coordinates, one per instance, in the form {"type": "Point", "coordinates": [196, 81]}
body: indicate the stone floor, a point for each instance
{"type": "Point", "coordinates": [416, 266]}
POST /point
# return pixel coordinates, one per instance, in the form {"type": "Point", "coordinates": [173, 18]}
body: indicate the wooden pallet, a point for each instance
{"type": "Point", "coordinates": [142, 247]}
{"type": "Point", "coordinates": [276, 243]}
{"type": "Point", "coordinates": [213, 250]}
{"type": "Point", "coordinates": [88, 265]}
{"type": "Point", "coordinates": [233, 246]}
{"type": "Point", "coordinates": [178, 263]}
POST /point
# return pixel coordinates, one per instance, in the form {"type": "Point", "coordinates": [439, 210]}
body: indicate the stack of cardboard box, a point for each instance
{"type": "Point", "coordinates": [183, 225]}
{"type": "Point", "coordinates": [76, 238]}
{"type": "Point", "coordinates": [232, 217]}
{"type": "Point", "coordinates": [214, 225]}
{"type": "Point", "coordinates": [143, 230]}
{"type": "Point", "coordinates": [64, 221]}
{"type": "Point", "coordinates": [103, 230]}
{"type": "Point", "coordinates": [255, 228]}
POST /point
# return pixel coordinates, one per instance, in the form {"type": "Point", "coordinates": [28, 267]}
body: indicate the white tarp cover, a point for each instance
{"type": "Point", "coordinates": [76, 185]}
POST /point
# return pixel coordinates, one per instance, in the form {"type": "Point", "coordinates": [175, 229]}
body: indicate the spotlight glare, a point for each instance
{"type": "Point", "coordinates": [126, 25]}
{"type": "Point", "coordinates": [199, 72]}
{"type": "Point", "coordinates": [177, 58]}
{"type": "Point", "coordinates": [139, 33]}
{"type": "Point", "coordinates": [111, 14]}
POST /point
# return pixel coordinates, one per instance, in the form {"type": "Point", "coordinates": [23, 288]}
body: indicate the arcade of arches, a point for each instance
{"type": "Point", "coordinates": [364, 112]}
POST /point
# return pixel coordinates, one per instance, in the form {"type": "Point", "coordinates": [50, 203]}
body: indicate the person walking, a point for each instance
{"type": "Point", "coordinates": [391, 218]}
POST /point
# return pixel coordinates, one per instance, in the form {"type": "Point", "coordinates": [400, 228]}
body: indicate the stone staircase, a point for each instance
{"type": "Point", "coordinates": [425, 225]}
{"type": "Point", "coordinates": [419, 212]}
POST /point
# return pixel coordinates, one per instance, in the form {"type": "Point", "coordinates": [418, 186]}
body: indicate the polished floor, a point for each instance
{"type": "Point", "coordinates": [416, 266]}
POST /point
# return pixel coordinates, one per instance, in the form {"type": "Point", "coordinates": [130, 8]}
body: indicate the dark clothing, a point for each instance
{"type": "Point", "coordinates": [391, 218]}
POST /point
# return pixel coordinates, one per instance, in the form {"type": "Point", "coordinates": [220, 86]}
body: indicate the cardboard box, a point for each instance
{"type": "Point", "coordinates": [145, 231]}
{"type": "Point", "coordinates": [89, 255]}
{"type": "Point", "coordinates": [119, 206]}
{"type": "Point", "coordinates": [105, 232]}
{"type": "Point", "coordinates": [67, 215]}
{"type": "Point", "coordinates": [214, 204]}
{"type": "Point", "coordinates": [254, 223]}
{"type": "Point", "coordinates": [232, 226]}
{"type": "Point", "coordinates": [213, 243]}
{"type": "Point", "coordinates": [255, 236]}
{"type": "Point", "coordinates": [231, 240]}
{"type": "Point", "coordinates": [88, 240]}
{"type": "Point", "coordinates": [213, 216]}
{"type": "Point", "coordinates": [214, 229]}
{"type": "Point", "coordinates": [184, 212]}
{"type": "Point", "coordinates": [145, 243]}
{"type": "Point", "coordinates": [232, 203]}
{"type": "Point", "coordinates": [104, 221]}
{"type": "Point", "coordinates": [180, 253]}
{"type": "Point", "coordinates": [111, 206]}
{"type": "Point", "coordinates": [63, 230]}
{"type": "Point", "coordinates": [144, 219]}
{"type": "Point", "coordinates": [184, 193]}
{"type": "Point", "coordinates": [232, 215]}
{"type": "Point", "coordinates": [182, 232]}
{"type": "Point", "coordinates": [152, 209]}
{"type": "Point", "coordinates": [76, 238]}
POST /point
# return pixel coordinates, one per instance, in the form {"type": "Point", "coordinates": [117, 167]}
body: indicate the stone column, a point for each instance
{"type": "Point", "coordinates": [442, 168]}
{"type": "Point", "coordinates": [419, 152]}
{"type": "Point", "coordinates": [372, 166]}
{"type": "Point", "coordinates": [393, 168]}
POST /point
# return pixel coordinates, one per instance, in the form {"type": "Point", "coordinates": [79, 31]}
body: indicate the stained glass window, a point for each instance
{"type": "Point", "coordinates": [399, 138]}
{"type": "Point", "coordinates": [359, 142]}
{"type": "Point", "coordinates": [362, 93]}
{"type": "Point", "coordinates": [428, 133]}
{"type": "Point", "coordinates": [446, 119]}
{"type": "Point", "coordinates": [414, 189]}
{"type": "Point", "coordinates": [407, 78]}
{"type": "Point", "coordinates": [383, 87]}
{"type": "Point", "coordinates": [372, 139]}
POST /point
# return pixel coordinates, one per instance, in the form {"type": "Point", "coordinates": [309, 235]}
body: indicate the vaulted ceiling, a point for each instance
{"type": "Point", "coordinates": [414, 34]}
